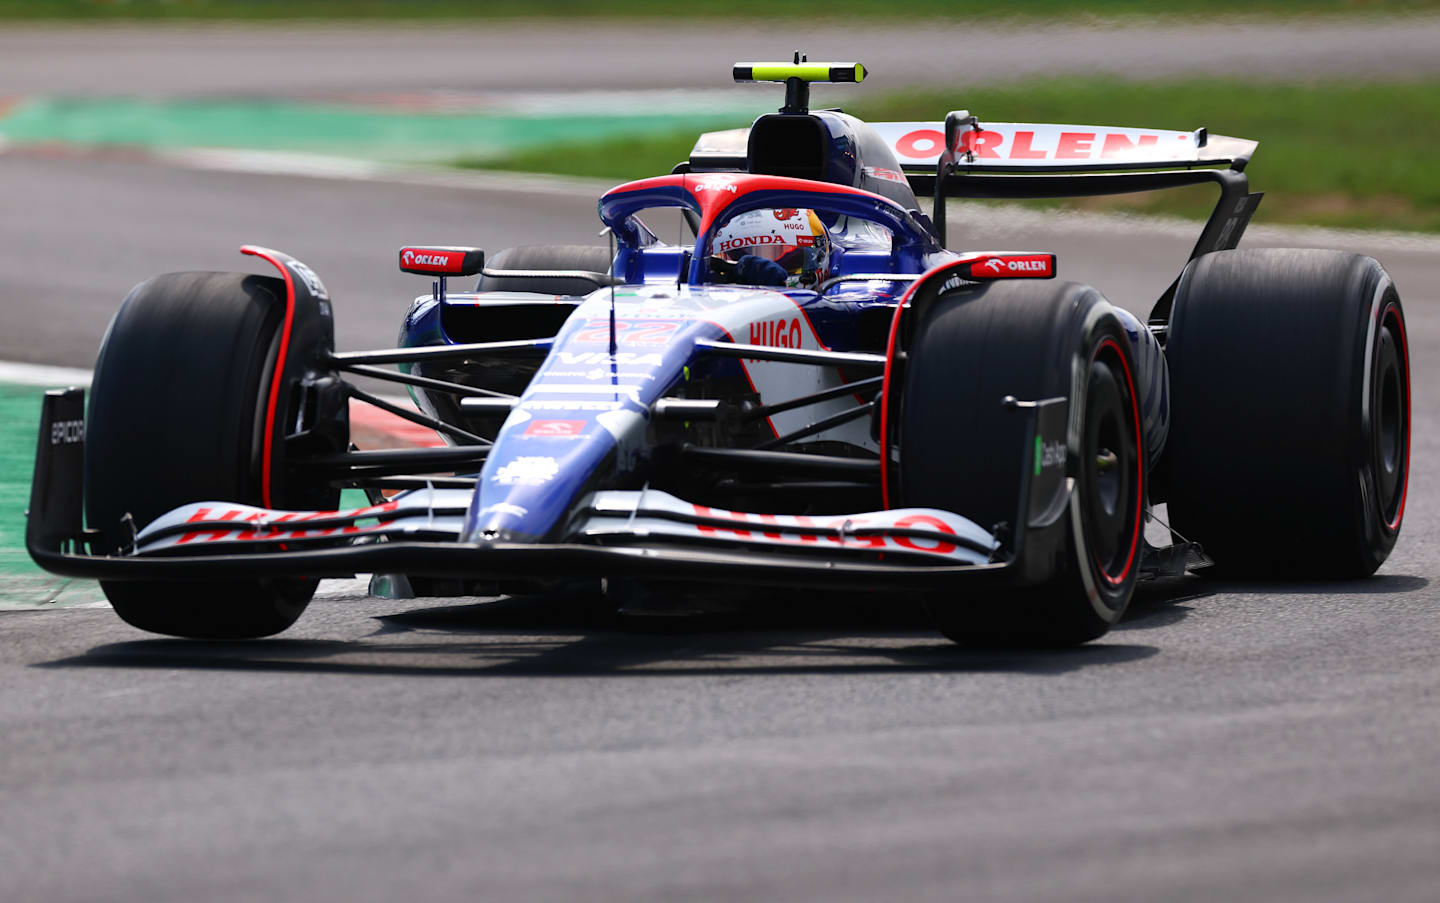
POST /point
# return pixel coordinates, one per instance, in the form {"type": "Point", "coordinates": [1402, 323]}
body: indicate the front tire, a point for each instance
{"type": "Point", "coordinates": [961, 451]}
{"type": "Point", "coordinates": [175, 416]}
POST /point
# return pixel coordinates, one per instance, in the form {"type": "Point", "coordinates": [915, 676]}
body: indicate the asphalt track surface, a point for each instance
{"type": "Point", "coordinates": [1228, 741]}
{"type": "Point", "coordinates": [1235, 741]}
{"type": "Point", "coordinates": [295, 59]}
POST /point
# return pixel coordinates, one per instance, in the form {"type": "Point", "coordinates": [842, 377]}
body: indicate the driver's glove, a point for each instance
{"type": "Point", "coordinates": [753, 270]}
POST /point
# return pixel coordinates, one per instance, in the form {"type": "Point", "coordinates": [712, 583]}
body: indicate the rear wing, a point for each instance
{"type": "Point", "coordinates": [1022, 160]}
{"type": "Point", "coordinates": [1019, 147]}
{"type": "Point", "coordinates": [1050, 147]}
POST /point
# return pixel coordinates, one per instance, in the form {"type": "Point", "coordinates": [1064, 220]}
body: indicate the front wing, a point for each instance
{"type": "Point", "coordinates": [612, 534]}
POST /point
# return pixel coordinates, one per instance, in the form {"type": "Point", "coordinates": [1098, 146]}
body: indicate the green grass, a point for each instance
{"type": "Point", "coordinates": [20, 416]}
{"type": "Point", "coordinates": [22, 584]}
{"type": "Point", "coordinates": [1346, 154]}
{"type": "Point", "coordinates": [620, 159]}
{"type": "Point", "coordinates": [918, 10]}
{"type": "Point", "coordinates": [325, 128]}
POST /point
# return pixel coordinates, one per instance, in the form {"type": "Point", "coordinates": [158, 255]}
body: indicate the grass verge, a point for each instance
{"type": "Point", "coordinates": [1342, 154]}
{"type": "Point", "coordinates": [832, 10]}
{"type": "Point", "coordinates": [323, 128]}
{"type": "Point", "coordinates": [20, 409]}
{"type": "Point", "coordinates": [22, 584]}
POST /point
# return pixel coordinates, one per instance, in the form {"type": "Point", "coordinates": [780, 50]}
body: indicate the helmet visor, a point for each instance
{"type": "Point", "coordinates": [797, 261]}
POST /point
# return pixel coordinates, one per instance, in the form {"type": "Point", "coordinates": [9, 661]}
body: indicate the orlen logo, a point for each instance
{"type": "Point", "coordinates": [1041, 143]}
{"type": "Point", "coordinates": [67, 432]}
{"type": "Point", "coordinates": [433, 260]}
{"type": "Point", "coordinates": [1034, 266]}
{"type": "Point", "coordinates": [889, 175]}
{"type": "Point", "coordinates": [716, 183]}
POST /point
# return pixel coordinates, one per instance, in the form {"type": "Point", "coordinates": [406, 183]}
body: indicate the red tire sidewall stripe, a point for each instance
{"type": "Point", "coordinates": [267, 459]}
{"type": "Point", "coordinates": [885, 383]}
{"type": "Point", "coordinates": [1139, 461]}
{"type": "Point", "coordinates": [885, 403]}
{"type": "Point", "coordinates": [1394, 525]}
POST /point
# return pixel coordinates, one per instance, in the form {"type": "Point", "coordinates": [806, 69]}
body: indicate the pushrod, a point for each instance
{"type": "Point", "coordinates": [793, 355]}
{"type": "Point", "coordinates": [436, 352]}
{"type": "Point", "coordinates": [415, 416]}
{"type": "Point", "coordinates": [780, 407]}
{"type": "Point", "coordinates": [820, 426]}
{"type": "Point", "coordinates": [423, 382]}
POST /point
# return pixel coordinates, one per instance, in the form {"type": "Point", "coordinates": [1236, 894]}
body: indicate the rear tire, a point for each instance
{"type": "Point", "coordinates": [961, 451]}
{"type": "Point", "coordinates": [546, 257]}
{"type": "Point", "coordinates": [176, 416]}
{"type": "Point", "coordinates": [1290, 434]}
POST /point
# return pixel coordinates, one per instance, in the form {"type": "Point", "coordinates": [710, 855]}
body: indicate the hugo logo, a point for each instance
{"type": "Point", "coordinates": [870, 539]}
{"type": "Point", "coordinates": [777, 333]}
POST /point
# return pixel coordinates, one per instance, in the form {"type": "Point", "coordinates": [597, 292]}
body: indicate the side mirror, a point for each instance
{"type": "Point", "coordinates": [441, 261]}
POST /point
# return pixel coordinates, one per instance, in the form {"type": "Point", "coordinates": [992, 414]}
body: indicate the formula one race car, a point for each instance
{"type": "Point", "coordinates": [814, 394]}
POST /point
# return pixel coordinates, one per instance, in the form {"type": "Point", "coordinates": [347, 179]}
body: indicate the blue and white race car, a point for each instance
{"type": "Point", "coordinates": [814, 393]}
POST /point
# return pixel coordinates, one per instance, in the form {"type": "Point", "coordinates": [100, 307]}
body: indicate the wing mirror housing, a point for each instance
{"type": "Point", "coordinates": [429, 260]}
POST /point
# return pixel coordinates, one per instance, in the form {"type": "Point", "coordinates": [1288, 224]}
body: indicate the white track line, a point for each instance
{"type": "Point", "coordinates": [317, 166]}
{"type": "Point", "coordinates": [18, 374]}
{"type": "Point", "coordinates": [89, 594]}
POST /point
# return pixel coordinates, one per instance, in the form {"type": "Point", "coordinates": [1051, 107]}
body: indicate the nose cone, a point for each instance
{"type": "Point", "coordinates": [543, 459]}
{"type": "Point", "coordinates": [581, 421]}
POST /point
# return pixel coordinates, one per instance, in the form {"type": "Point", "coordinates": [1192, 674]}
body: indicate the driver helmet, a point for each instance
{"type": "Point", "coordinates": [793, 237]}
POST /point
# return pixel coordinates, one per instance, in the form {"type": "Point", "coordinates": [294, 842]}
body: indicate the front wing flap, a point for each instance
{"type": "Point", "coordinates": [634, 534]}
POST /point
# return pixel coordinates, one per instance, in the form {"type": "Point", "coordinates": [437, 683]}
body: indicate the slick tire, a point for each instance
{"type": "Point", "coordinates": [961, 451]}
{"type": "Point", "coordinates": [176, 416]}
{"type": "Point", "coordinates": [1289, 450]}
{"type": "Point", "coordinates": [546, 257]}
